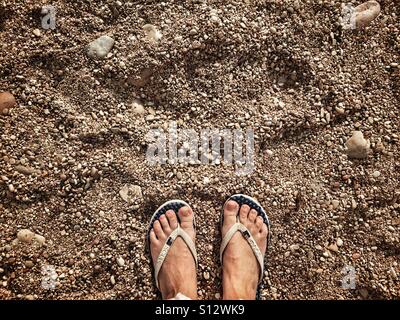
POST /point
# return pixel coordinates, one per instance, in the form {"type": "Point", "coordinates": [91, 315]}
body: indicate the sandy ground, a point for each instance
{"type": "Point", "coordinates": [283, 68]}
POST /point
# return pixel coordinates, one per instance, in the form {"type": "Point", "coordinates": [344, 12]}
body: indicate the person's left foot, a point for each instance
{"type": "Point", "coordinates": [178, 272]}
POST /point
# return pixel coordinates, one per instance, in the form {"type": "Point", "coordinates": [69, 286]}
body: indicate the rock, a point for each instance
{"type": "Point", "coordinates": [333, 247]}
{"type": "Point", "coordinates": [138, 107]}
{"type": "Point", "coordinates": [217, 296]}
{"type": "Point", "coordinates": [376, 174]}
{"type": "Point", "coordinates": [112, 280]}
{"type": "Point", "coordinates": [25, 235]}
{"type": "Point", "coordinates": [339, 242]}
{"type": "Point", "coordinates": [120, 261]}
{"type": "Point", "coordinates": [357, 146]}
{"type": "Point", "coordinates": [335, 204]}
{"type": "Point", "coordinates": [37, 32]}
{"type": "Point", "coordinates": [294, 247]}
{"type": "Point", "coordinates": [100, 47]}
{"type": "Point", "coordinates": [28, 264]}
{"type": "Point", "coordinates": [131, 194]}
{"type": "Point", "coordinates": [24, 170]}
{"type": "Point", "coordinates": [365, 13]}
{"type": "Point", "coordinates": [206, 275]}
{"type": "Point", "coordinates": [40, 239]}
{"type": "Point", "coordinates": [7, 101]}
{"type": "Point", "coordinates": [151, 32]}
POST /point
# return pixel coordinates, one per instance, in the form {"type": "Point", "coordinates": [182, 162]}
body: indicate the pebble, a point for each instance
{"type": "Point", "coordinates": [333, 247]}
{"type": "Point", "coordinates": [376, 174]}
{"type": "Point", "coordinates": [357, 146]}
{"type": "Point", "coordinates": [7, 101]}
{"type": "Point", "coordinates": [206, 275]}
{"type": "Point", "coordinates": [112, 279]}
{"type": "Point", "coordinates": [339, 242]}
{"type": "Point", "coordinates": [152, 33]}
{"type": "Point", "coordinates": [131, 194]}
{"type": "Point", "coordinates": [137, 107]}
{"type": "Point", "coordinates": [120, 261]}
{"type": "Point", "coordinates": [40, 239]}
{"type": "Point", "coordinates": [217, 296]}
{"type": "Point", "coordinates": [25, 235]}
{"type": "Point", "coordinates": [28, 264]}
{"type": "Point", "coordinates": [24, 170]}
{"type": "Point", "coordinates": [37, 32]}
{"type": "Point", "coordinates": [100, 47]}
{"type": "Point", "coordinates": [335, 204]}
{"type": "Point", "coordinates": [365, 13]}
{"type": "Point", "coordinates": [294, 247]}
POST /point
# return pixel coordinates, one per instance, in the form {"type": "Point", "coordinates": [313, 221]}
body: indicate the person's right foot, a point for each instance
{"type": "Point", "coordinates": [240, 269]}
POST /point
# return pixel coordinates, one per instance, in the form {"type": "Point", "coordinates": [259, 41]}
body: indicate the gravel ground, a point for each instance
{"type": "Point", "coordinates": [287, 69]}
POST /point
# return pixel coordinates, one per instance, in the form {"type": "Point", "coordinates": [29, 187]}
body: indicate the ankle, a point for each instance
{"type": "Point", "coordinates": [235, 290]}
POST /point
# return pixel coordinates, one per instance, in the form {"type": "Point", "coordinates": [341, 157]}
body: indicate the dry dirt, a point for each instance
{"type": "Point", "coordinates": [284, 68]}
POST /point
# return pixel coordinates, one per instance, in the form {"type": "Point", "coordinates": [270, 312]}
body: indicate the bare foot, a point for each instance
{"type": "Point", "coordinates": [178, 272]}
{"type": "Point", "coordinates": [240, 269]}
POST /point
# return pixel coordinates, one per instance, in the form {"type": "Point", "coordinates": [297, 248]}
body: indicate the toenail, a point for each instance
{"type": "Point", "coordinates": [232, 205]}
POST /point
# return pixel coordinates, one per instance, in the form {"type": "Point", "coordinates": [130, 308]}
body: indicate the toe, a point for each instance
{"type": "Point", "coordinates": [244, 211]}
{"type": "Point", "coordinates": [259, 223]}
{"type": "Point", "coordinates": [158, 230]}
{"type": "Point", "coordinates": [252, 215]}
{"type": "Point", "coordinates": [165, 224]}
{"type": "Point", "coordinates": [231, 210]}
{"type": "Point", "coordinates": [153, 237]}
{"type": "Point", "coordinates": [172, 219]}
{"type": "Point", "coordinates": [186, 216]}
{"type": "Point", "coordinates": [264, 230]}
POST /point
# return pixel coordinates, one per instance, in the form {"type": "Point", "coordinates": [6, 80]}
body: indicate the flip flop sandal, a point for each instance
{"type": "Point", "coordinates": [242, 199]}
{"type": "Point", "coordinates": [174, 205]}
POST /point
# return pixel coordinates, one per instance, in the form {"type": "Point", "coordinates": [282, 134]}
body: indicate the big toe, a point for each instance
{"type": "Point", "coordinates": [231, 210]}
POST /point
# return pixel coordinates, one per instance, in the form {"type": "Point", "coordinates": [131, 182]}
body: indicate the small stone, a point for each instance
{"type": "Point", "coordinates": [28, 264]}
{"type": "Point", "coordinates": [325, 254]}
{"type": "Point", "coordinates": [376, 174]}
{"type": "Point", "coordinates": [217, 296]}
{"type": "Point", "coordinates": [339, 242]}
{"type": "Point", "coordinates": [112, 280]}
{"type": "Point", "coordinates": [131, 194]}
{"type": "Point", "coordinates": [294, 247]}
{"type": "Point", "coordinates": [393, 273]}
{"type": "Point", "coordinates": [353, 204]}
{"type": "Point", "coordinates": [365, 13]}
{"type": "Point", "coordinates": [357, 146]}
{"type": "Point", "coordinates": [151, 32]}
{"type": "Point", "coordinates": [29, 297]}
{"type": "Point", "coordinates": [25, 235]}
{"type": "Point", "coordinates": [24, 170]}
{"type": "Point", "coordinates": [100, 47]}
{"type": "Point", "coordinates": [37, 32]}
{"type": "Point", "coordinates": [333, 247]}
{"type": "Point", "coordinates": [7, 101]}
{"type": "Point", "coordinates": [206, 275]}
{"type": "Point", "coordinates": [137, 107]}
{"type": "Point", "coordinates": [40, 239]}
{"type": "Point", "coordinates": [335, 204]}
{"type": "Point", "coordinates": [120, 261]}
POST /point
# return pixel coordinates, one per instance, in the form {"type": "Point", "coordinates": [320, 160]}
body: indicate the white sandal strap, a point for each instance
{"type": "Point", "coordinates": [178, 232]}
{"type": "Point", "coordinates": [253, 244]}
